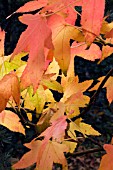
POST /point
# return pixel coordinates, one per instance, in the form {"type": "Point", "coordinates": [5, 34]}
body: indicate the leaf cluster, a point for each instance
{"type": "Point", "coordinates": [27, 87]}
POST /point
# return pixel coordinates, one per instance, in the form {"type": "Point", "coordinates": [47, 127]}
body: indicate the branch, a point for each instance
{"type": "Point", "coordinates": [93, 98]}
{"type": "Point", "coordinates": [103, 42]}
{"type": "Point", "coordinates": [94, 141]}
{"type": "Point", "coordinates": [25, 109]}
{"type": "Point", "coordinates": [86, 152]}
{"type": "Point", "coordinates": [22, 119]}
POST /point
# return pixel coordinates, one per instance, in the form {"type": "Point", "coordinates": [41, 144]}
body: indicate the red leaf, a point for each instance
{"type": "Point", "coordinates": [71, 16]}
{"type": "Point", "coordinates": [79, 49]}
{"type": "Point", "coordinates": [64, 8]}
{"type": "Point", "coordinates": [32, 6]}
{"type": "Point", "coordinates": [91, 19]}
{"type": "Point", "coordinates": [2, 37]}
{"type": "Point", "coordinates": [33, 40]}
{"type": "Point", "coordinates": [56, 130]}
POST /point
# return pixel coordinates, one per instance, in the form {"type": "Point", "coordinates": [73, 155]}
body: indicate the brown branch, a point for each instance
{"type": "Point", "coordinates": [94, 141]}
{"type": "Point", "coordinates": [103, 42]}
{"type": "Point", "coordinates": [22, 119]}
{"type": "Point", "coordinates": [93, 98]}
{"type": "Point", "coordinates": [86, 152]}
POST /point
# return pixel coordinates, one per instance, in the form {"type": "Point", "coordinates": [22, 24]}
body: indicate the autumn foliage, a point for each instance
{"type": "Point", "coordinates": [28, 85]}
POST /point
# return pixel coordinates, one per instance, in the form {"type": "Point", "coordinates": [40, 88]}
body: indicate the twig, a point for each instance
{"type": "Point", "coordinates": [25, 109]}
{"type": "Point", "coordinates": [95, 142]}
{"type": "Point", "coordinates": [93, 98]}
{"type": "Point", "coordinates": [22, 119]}
{"type": "Point", "coordinates": [86, 152]}
{"type": "Point", "coordinates": [38, 10]}
{"type": "Point", "coordinates": [103, 42]}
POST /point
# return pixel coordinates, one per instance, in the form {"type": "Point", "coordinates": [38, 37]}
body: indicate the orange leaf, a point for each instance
{"type": "Point", "coordinates": [59, 111]}
{"type": "Point", "coordinates": [91, 19]}
{"type": "Point", "coordinates": [109, 34]}
{"type": "Point", "coordinates": [11, 121]}
{"type": "Point", "coordinates": [108, 85]}
{"type": "Point", "coordinates": [107, 159]}
{"type": "Point", "coordinates": [72, 86]}
{"type": "Point", "coordinates": [74, 102]}
{"type": "Point", "coordinates": [106, 51]}
{"type": "Point", "coordinates": [53, 152]}
{"type": "Point", "coordinates": [2, 37]}
{"type": "Point", "coordinates": [30, 157]}
{"type": "Point", "coordinates": [9, 86]}
{"type": "Point", "coordinates": [33, 40]}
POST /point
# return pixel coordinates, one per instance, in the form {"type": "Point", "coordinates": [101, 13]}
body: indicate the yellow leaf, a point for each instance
{"type": "Point", "coordinates": [6, 66]}
{"type": "Point", "coordinates": [52, 84]}
{"type": "Point", "coordinates": [49, 96]}
{"type": "Point", "coordinates": [39, 99]}
{"type": "Point", "coordinates": [71, 131]}
{"type": "Point", "coordinates": [36, 100]}
{"type": "Point", "coordinates": [20, 70]}
{"type": "Point", "coordinates": [81, 127]}
{"type": "Point", "coordinates": [73, 97]}
{"type": "Point", "coordinates": [11, 121]}
{"type": "Point", "coordinates": [61, 35]}
{"type": "Point", "coordinates": [27, 98]}
{"type": "Point", "coordinates": [53, 68]}
{"type": "Point", "coordinates": [70, 145]}
{"type": "Point", "coordinates": [74, 102]}
{"type": "Point", "coordinates": [29, 115]}
{"type": "Point", "coordinates": [72, 86]}
{"type": "Point", "coordinates": [88, 130]}
{"type": "Point", "coordinates": [106, 27]}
